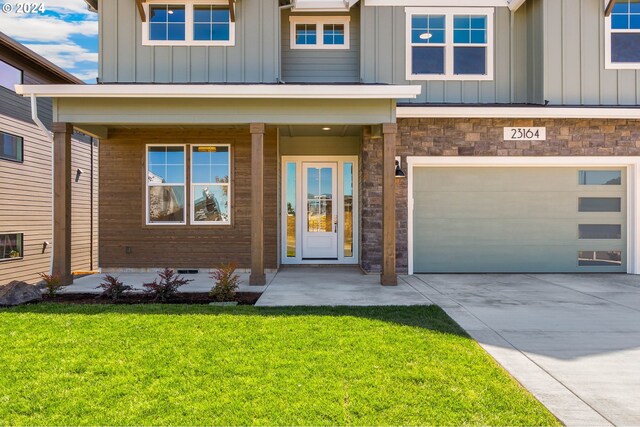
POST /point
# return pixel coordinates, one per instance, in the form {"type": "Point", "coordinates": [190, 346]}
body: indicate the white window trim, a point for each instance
{"type": "Point", "coordinates": [448, 45]}
{"type": "Point", "coordinates": [193, 184]}
{"type": "Point", "coordinates": [632, 165]}
{"type": "Point", "coordinates": [188, 30]}
{"type": "Point", "coordinates": [608, 64]}
{"type": "Point", "coordinates": [319, 22]}
{"type": "Point", "coordinates": [146, 178]}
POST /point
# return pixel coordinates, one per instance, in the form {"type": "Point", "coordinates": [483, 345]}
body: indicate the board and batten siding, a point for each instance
{"type": "Point", "coordinates": [321, 65]}
{"type": "Point", "coordinates": [123, 204]}
{"type": "Point", "coordinates": [383, 54]}
{"type": "Point", "coordinates": [25, 204]}
{"type": "Point", "coordinates": [253, 59]}
{"type": "Point", "coordinates": [574, 72]}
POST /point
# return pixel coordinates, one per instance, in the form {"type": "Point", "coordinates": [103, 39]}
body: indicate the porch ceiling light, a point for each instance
{"type": "Point", "coordinates": [425, 36]}
{"type": "Point", "coordinates": [326, 128]}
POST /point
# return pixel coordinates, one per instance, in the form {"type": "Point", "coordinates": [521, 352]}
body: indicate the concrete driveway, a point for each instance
{"type": "Point", "coordinates": [572, 340]}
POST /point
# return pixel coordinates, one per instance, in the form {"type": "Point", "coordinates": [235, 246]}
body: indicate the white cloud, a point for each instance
{"type": "Point", "coordinates": [66, 55]}
{"type": "Point", "coordinates": [87, 76]}
{"type": "Point", "coordinates": [68, 6]}
{"type": "Point", "coordinates": [44, 28]}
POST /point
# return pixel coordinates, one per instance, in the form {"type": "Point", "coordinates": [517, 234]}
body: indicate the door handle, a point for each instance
{"type": "Point", "coordinates": [335, 225]}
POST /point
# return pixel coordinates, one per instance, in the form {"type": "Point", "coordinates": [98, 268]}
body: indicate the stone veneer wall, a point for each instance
{"type": "Point", "coordinates": [473, 137]}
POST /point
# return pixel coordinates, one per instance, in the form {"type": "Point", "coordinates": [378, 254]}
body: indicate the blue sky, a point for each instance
{"type": "Point", "coordinates": [66, 34]}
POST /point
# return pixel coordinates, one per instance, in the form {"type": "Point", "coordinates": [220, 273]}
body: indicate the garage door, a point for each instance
{"type": "Point", "coordinates": [525, 219]}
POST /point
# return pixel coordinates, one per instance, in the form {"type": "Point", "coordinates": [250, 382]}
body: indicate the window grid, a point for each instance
{"type": "Point", "coordinates": [321, 32]}
{"type": "Point", "coordinates": [155, 180]}
{"type": "Point", "coordinates": [167, 22]}
{"type": "Point", "coordinates": [201, 23]}
{"type": "Point", "coordinates": [466, 32]}
{"type": "Point", "coordinates": [622, 45]}
{"type": "Point", "coordinates": [210, 196]}
{"type": "Point", "coordinates": [306, 34]}
{"type": "Point", "coordinates": [211, 23]}
{"type": "Point", "coordinates": [333, 34]}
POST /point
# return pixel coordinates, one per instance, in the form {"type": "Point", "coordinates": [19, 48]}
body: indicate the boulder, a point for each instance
{"type": "Point", "coordinates": [16, 293]}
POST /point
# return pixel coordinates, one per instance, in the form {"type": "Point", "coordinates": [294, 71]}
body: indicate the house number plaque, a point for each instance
{"type": "Point", "coordinates": [525, 134]}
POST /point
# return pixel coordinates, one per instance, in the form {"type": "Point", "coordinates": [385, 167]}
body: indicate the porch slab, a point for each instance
{"type": "Point", "coordinates": [202, 282]}
{"type": "Point", "coordinates": [333, 286]}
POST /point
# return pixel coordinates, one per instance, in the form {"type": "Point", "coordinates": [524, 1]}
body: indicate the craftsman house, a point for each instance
{"type": "Point", "coordinates": [398, 135]}
{"type": "Point", "coordinates": [26, 201]}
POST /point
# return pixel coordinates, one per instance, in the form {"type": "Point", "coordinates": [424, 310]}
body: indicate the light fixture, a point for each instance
{"type": "Point", "coordinates": [170, 12]}
{"type": "Point", "coordinates": [425, 36]}
{"type": "Point", "coordinates": [78, 173]}
{"type": "Point", "coordinates": [399, 172]}
{"type": "Point", "coordinates": [326, 128]}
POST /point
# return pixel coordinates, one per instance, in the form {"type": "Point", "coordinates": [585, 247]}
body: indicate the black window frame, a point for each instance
{"type": "Point", "coordinates": [10, 159]}
{"type": "Point", "coordinates": [21, 242]}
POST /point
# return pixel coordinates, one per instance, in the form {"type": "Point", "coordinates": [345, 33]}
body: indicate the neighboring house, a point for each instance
{"type": "Point", "coordinates": [26, 173]}
{"type": "Point", "coordinates": [265, 132]}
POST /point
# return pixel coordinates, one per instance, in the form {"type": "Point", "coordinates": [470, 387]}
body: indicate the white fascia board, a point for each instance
{"type": "Point", "coordinates": [519, 112]}
{"type": "Point", "coordinates": [222, 91]}
{"type": "Point", "coordinates": [439, 3]}
{"type": "Point", "coordinates": [515, 4]}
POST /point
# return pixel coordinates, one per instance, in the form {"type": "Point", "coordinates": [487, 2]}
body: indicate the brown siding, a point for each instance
{"type": "Point", "coordinates": [122, 204]}
{"type": "Point", "coordinates": [474, 137]}
{"type": "Point", "coordinates": [25, 203]}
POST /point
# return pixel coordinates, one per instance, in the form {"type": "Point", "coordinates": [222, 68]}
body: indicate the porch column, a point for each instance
{"type": "Point", "coordinates": [257, 277]}
{"type": "Point", "coordinates": [62, 201]}
{"type": "Point", "coordinates": [388, 276]}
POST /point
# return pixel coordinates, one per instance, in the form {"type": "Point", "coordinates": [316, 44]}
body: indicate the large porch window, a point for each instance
{"type": "Point", "coordinates": [166, 184]}
{"type": "Point", "coordinates": [210, 184]}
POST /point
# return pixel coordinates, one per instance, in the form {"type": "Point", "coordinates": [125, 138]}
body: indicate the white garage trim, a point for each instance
{"type": "Point", "coordinates": [632, 164]}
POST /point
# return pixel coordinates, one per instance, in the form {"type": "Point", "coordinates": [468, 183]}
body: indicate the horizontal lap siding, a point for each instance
{"type": "Point", "coordinates": [25, 203]}
{"type": "Point", "coordinates": [122, 205]}
{"type": "Point", "coordinates": [321, 65]}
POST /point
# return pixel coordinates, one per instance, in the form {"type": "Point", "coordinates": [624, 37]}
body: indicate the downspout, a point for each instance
{"type": "Point", "coordinates": [280, 9]}
{"type": "Point", "coordinates": [49, 136]}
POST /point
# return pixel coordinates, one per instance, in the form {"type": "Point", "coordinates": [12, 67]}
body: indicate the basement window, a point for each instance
{"type": "Point", "coordinates": [622, 32]}
{"type": "Point", "coordinates": [11, 246]}
{"type": "Point", "coordinates": [319, 32]}
{"type": "Point", "coordinates": [188, 23]}
{"type": "Point", "coordinates": [449, 43]}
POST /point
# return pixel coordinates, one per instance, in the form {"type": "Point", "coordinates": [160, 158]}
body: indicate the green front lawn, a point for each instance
{"type": "Point", "coordinates": [201, 365]}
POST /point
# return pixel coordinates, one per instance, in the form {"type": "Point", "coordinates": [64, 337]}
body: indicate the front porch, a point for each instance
{"type": "Point", "coordinates": [156, 208]}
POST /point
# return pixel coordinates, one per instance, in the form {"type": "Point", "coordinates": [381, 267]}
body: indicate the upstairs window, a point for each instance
{"type": "Point", "coordinates": [190, 23]}
{"type": "Point", "coordinates": [319, 32]}
{"type": "Point", "coordinates": [11, 147]}
{"type": "Point", "coordinates": [449, 44]}
{"type": "Point", "coordinates": [623, 35]}
{"type": "Point", "coordinates": [9, 76]}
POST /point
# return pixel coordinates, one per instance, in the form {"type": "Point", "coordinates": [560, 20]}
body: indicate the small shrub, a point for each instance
{"type": "Point", "coordinates": [53, 282]}
{"type": "Point", "coordinates": [226, 282]}
{"type": "Point", "coordinates": [113, 288]}
{"type": "Point", "coordinates": [167, 286]}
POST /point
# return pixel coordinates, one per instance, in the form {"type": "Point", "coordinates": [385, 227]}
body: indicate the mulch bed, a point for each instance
{"type": "Point", "coordinates": [243, 298]}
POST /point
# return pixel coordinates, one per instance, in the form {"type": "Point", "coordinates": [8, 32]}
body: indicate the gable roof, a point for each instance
{"type": "Point", "coordinates": [47, 66]}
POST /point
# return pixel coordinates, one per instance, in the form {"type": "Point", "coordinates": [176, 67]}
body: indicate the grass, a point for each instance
{"type": "Point", "coordinates": [200, 365]}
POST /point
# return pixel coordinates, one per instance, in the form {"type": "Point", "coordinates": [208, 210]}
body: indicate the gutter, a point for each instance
{"type": "Point", "coordinates": [47, 134]}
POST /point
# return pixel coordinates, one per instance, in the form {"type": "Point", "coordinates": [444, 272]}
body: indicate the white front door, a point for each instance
{"type": "Point", "coordinates": [320, 211]}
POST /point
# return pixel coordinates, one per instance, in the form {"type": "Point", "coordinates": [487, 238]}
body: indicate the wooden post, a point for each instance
{"type": "Point", "coordinates": [62, 201]}
{"type": "Point", "coordinates": [388, 277]}
{"type": "Point", "coordinates": [257, 277]}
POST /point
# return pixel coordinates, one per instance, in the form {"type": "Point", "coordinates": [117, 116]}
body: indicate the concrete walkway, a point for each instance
{"type": "Point", "coordinates": [572, 340]}
{"type": "Point", "coordinates": [316, 286]}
